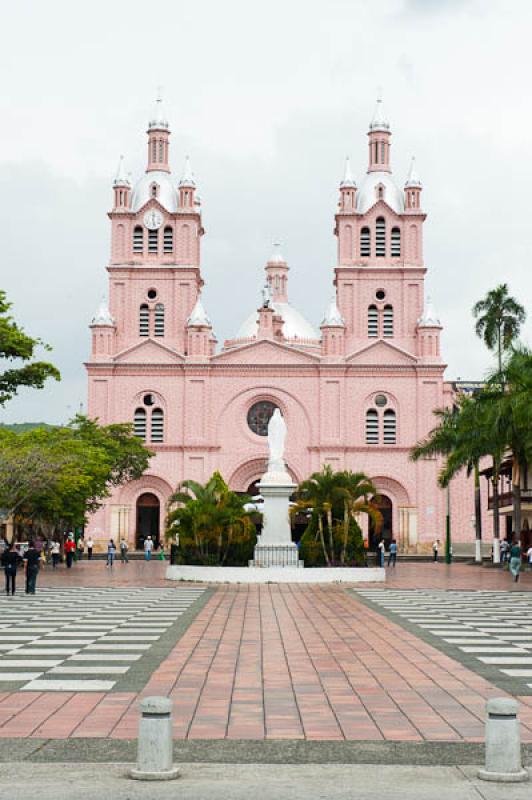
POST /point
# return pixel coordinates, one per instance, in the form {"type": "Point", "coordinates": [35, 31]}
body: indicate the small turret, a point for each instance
{"type": "Point", "coordinates": [428, 333]}
{"type": "Point", "coordinates": [379, 141]}
{"type": "Point", "coordinates": [199, 334]}
{"type": "Point", "coordinates": [122, 188]}
{"type": "Point", "coordinates": [332, 332]}
{"type": "Point", "coordinates": [187, 188]}
{"type": "Point", "coordinates": [103, 330]}
{"type": "Point", "coordinates": [348, 189]}
{"type": "Point", "coordinates": [413, 188]}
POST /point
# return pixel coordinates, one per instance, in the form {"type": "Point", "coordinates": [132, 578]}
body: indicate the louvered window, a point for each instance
{"type": "Point", "coordinates": [380, 236]}
{"type": "Point", "coordinates": [390, 427]}
{"type": "Point", "coordinates": [382, 152]}
{"type": "Point", "coordinates": [153, 241]}
{"type": "Point", "coordinates": [373, 321]}
{"type": "Point", "coordinates": [144, 321]}
{"type": "Point", "coordinates": [365, 243]}
{"type": "Point", "coordinates": [168, 240]}
{"type": "Point", "coordinates": [159, 320]}
{"type": "Point", "coordinates": [139, 423]}
{"type": "Point", "coordinates": [372, 426]}
{"type": "Point", "coordinates": [157, 425]}
{"type": "Point", "coordinates": [396, 242]}
{"type": "Point", "coordinates": [154, 150]}
{"type": "Point", "coordinates": [138, 239]}
{"type": "Point", "coordinates": [387, 321]}
{"type": "Point", "coordinates": [161, 150]}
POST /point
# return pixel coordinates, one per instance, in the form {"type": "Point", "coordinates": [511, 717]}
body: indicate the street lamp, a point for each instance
{"type": "Point", "coordinates": [448, 544]}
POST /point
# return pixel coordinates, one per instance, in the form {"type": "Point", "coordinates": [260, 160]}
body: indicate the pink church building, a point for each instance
{"type": "Point", "coordinates": [356, 394]}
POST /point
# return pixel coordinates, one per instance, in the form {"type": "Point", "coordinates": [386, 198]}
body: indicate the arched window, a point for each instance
{"type": "Point", "coordinates": [138, 239]}
{"type": "Point", "coordinates": [365, 243]}
{"type": "Point", "coordinates": [387, 321]}
{"type": "Point", "coordinates": [168, 240]}
{"type": "Point", "coordinates": [390, 427]}
{"type": "Point", "coordinates": [380, 236]}
{"type": "Point", "coordinates": [373, 321]}
{"type": "Point", "coordinates": [144, 320]}
{"type": "Point", "coordinates": [154, 150]}
{"type": "Point", "coordinates": [161, 150]}
{"type": "Point", "coordinates": [157, 425]}
{"type": "Point", "coordinates": [376, 152]}
{"type": "Point", "coordinates": [372, 426]}
{"type": "Point", "coordinates": [153, 241]}
{"type": "Point", "coordinates": [139, 423]}
{"type": "Point", "coordinates": [380, 192]}
{"type": "Point", "coordinates": [154, 190]}
{"type": "Point", "coordinates": [396, 242]}
{"type": "Point", "coordinates": [382, 152]}
{"type": "Point", "coordinates": [159, 320]}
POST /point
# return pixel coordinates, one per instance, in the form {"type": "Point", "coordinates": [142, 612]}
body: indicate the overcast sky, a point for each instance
{"type": "Point", "coordinates": [267, 98]}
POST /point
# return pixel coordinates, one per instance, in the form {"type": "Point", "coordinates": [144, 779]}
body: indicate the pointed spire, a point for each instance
{"type": "Point", "coordinates": [158, 118]}
{"type": "Point", "coordinates": [103, 315]}
{"type": "Point", "coordinates": [198, 317]}
{"type": "Point", "coordinates": [121, 178]}
{"type": "Point", "coordinates": [348, 181]}
{"type": "Point", "coordinates": [379, 121]}
{"type": "Point", "coordinates": [187, 178]}
{"type": "Point", "coordinates": [332, 317]}
{"type": "Point", "coordinates": [429, 317]}
{"type": "Point", "coordinates": [277, 257]}
{"type": "Point", "coordinates": [413, 180]}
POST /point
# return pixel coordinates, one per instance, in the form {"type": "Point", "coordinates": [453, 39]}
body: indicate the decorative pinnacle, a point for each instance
{"type": "Point", "coordinates": [413, 180]}
{"type": "Point", "coordinates": [348, 181]}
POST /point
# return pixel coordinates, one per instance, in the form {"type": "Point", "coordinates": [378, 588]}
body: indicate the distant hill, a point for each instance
{"type": "Point", "coordinates": [20, 427]}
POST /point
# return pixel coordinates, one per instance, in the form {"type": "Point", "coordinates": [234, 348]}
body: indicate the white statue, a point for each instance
{"type": "Point", "coordinates": [266, 296]}
{"type": "Point", "coordinates": [276, 440]}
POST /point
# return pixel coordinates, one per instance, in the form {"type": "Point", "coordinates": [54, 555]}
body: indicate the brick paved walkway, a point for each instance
{"type": "Point", "coordinates": [286, 662]}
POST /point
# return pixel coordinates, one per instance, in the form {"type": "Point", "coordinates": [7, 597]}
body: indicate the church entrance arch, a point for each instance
{"type": "Point", "coordinates": [385, 506]}
{"type": "Point", "coordinates": [148, 519]}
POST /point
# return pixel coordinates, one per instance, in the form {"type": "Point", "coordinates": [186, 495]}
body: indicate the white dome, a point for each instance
{"type": "Point", "coordinates": [367, 194]}
{"type": "Point", "coordinates": [167, 194]}
{"type": "Point", "coordinates": [295, 324]}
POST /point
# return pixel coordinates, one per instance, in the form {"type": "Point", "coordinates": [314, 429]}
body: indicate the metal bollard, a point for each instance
{"type": "Point", "coordinates": [503, 743]}
{"type": "Point", "coordinates": [154, 753]}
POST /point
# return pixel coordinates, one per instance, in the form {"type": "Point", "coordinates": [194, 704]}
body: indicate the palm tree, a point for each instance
{"type": "Point", "coordinates": [355, 490]}
{"type": "Point", "coordinates": [499, 320]}
{"type": "Point", "coordinates": [319, 493]}
{"type": "Point", "coordinates": [511, 413]}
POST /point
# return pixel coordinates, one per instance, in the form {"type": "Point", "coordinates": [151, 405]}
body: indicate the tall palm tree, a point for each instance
{"type": "Point", "coordinates": [499, 319]}
{"type": "Point", "coordinates": [319, 493]}
{"type": "Point", "coordinates": [355, 490]}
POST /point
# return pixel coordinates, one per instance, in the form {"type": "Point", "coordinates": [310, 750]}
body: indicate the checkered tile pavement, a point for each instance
{"type": "Point", "coordinates": [493, 629]}
{"type": "Point", "coordinates": [82, 639]}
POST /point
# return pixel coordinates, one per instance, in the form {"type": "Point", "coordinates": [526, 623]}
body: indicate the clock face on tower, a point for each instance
{"type": "Point", "coordinates": [153, 219]}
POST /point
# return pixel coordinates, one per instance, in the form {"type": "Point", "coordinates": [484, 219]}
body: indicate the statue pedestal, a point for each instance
{"type": "Point", "coordinates": [275, 547]}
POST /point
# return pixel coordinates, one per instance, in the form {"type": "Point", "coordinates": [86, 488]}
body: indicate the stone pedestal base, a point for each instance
{"type": "Point", "coordinates": [276, 555]}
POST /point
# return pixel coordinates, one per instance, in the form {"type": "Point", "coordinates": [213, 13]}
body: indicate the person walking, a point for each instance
{"type": "Point", "coordinates": [504, 551]}
{"type": "Point", "coordinates": [55, 551]}
{"type": "Point", "coordinates": [529, 558]}
{"type": "Point", "coordinates": [70, 548]}
{"type": "Point", "coordinates": [111, 550]}
{"type": "Point", "coordinates": [80, 548]}
{"type": "Point", "coordinates": [148, 547]}
{"type": "Point", "coordinates": [435, 550]}
{"type": "Point", "coordinates": [32, 560]}
{"type": "Point", "coordinates": [90, 545]}
{"type": "Point", "coordinates": [123, 551]}
{"type": "Point", "coordinates": [380, 552]}
{"type": "Point", "coordinates": [515, 560]}
{"type": "Point", "coordinates": [392, 553]}
{"type": "Point", "coordinates": [10, 561]}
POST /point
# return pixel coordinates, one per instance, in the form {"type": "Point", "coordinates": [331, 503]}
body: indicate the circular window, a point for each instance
{"type": "Point", "coordinates": [148, 400]}
{"type": "Point", "coordinates": [152, 294]}
{"type": "Point", "coordinates": [380, 294]}
{"type": "Point", "coordinates": [259, 415]}
{"type": "Point", "coordinates": [381, 400]}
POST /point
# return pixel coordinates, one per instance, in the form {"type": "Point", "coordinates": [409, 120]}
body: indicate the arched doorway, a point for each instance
{"type": "Point", "coordinates": [148, 519]}
{"type": "Point", "coordinates": [385, 506]}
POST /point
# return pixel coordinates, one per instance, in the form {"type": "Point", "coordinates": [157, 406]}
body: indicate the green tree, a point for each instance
{"type": "Point", "coordinates": [508, 401]}
{"type": "Point", "coordinates": [499, 318]}
{"type": "Point", "coordinates": [54, 477]}
{"type": "Point", "coordinates": [210, 522]}
{"type": "Point", "coordinates": [334, 500]}
{"type": "Point", "coordinates": [16, 345]}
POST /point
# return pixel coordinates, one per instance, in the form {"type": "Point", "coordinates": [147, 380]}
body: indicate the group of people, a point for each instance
{"type": "Point", "coordinates": [12, 558]}
{"type": "Point", "coordinates": [149, 546]}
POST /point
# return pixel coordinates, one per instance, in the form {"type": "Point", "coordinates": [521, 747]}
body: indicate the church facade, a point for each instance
{"type": "Point", "coordinates": [356, 394]}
